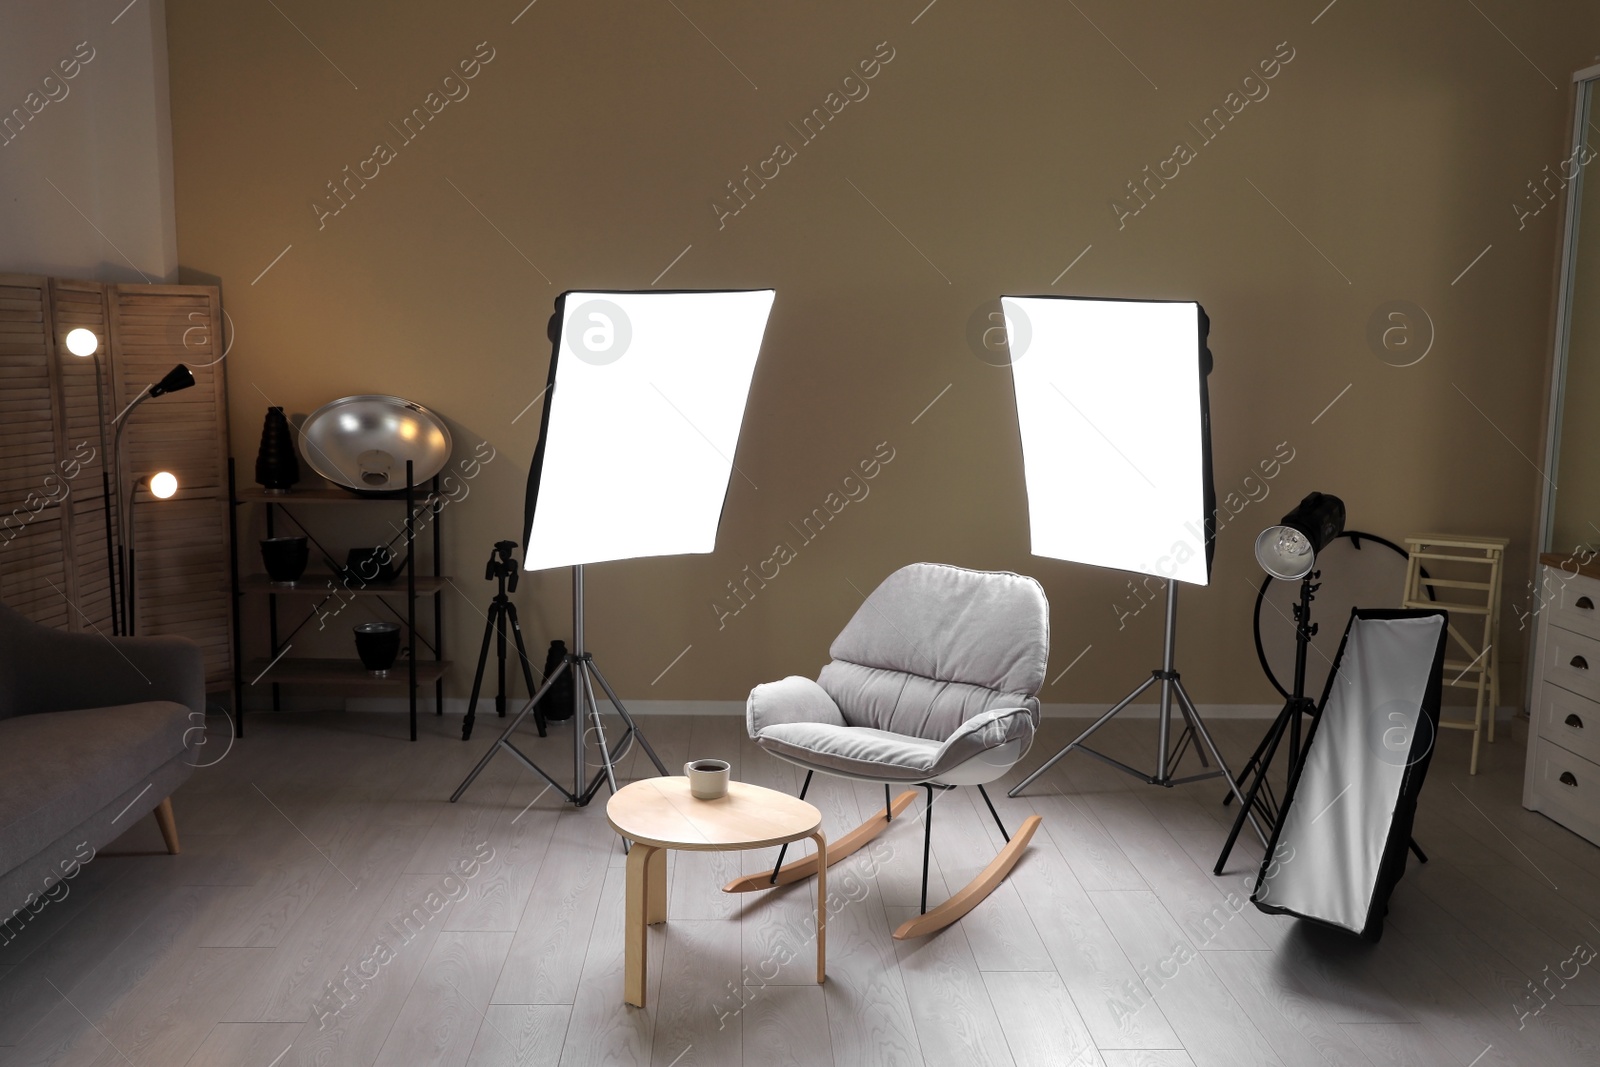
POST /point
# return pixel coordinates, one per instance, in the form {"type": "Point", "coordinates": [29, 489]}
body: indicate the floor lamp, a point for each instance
{"type": "Point", "coordinates": [1115, 426]}
{"type": "Point", "coordinates": [85, 344]}
{"type": "Point", "coordinates": [162, 485]}
{"type": "Point", "coordinates": [642, 411]}
{"type": "Point", "coordinates": [178, 378]}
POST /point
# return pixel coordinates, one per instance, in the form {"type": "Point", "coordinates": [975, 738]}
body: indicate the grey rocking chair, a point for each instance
{"type": "Point", "coordinates": [934, 683]}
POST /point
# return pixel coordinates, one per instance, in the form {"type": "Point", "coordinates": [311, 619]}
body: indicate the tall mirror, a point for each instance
{"type": "Point", "coordinates": [1572, 514]}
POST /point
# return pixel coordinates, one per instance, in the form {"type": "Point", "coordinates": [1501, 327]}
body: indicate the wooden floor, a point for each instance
{"type": "Point", "coordinates": [1111, 944]}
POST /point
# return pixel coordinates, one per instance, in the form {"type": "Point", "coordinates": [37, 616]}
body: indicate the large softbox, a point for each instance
{"type": "Point", "coordinates": [642, 412]}
{"type": "Point", "coordinates": [1344, 828]}
{"type": "Point", "coordinates": [1115, 421]}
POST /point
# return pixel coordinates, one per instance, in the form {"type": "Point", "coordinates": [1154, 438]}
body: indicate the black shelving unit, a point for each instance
{"type": "Point", "coordinates": [281, 669]}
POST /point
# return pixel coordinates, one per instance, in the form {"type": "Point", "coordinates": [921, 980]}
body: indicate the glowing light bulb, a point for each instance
{"type": "Point", "coordinates": [82, 342]}
{"type": "Point", "coordinates": [1292, 543]}
{"type": "Point", "coordinates": [163, 484]}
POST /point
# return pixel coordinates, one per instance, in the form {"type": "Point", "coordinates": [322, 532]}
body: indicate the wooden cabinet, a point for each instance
{"type": "Point", "coordinates": [1562, 779]}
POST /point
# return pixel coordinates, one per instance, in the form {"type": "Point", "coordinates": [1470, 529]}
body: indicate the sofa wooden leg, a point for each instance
{"type": "Point", "coordinates": [169, 828]}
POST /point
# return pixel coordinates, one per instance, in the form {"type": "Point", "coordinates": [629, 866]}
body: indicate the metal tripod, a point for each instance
{"type": "Point", "coordinates": [1166, 756]}
{"type": "Point", "coordinates": [502, 567]}
{"type": "Point", "coordinates": [1259, 798]}
{"type": "Point", "coordinates": [581, 666]}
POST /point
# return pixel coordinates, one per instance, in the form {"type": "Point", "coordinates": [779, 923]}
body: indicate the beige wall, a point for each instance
{"type": "Point", "coordinates": [983, 160]}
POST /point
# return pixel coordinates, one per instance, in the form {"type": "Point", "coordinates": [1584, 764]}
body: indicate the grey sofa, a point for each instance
{"type": "Point", "coordinates": [92, 739]}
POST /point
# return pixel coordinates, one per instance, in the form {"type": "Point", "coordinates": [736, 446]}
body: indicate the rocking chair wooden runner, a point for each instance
{"type": "Point", "coordinates": [934, 683]}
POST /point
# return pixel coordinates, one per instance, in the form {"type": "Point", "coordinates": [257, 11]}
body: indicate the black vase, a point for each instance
{"type": "Point", "coordinates": [276, 466]}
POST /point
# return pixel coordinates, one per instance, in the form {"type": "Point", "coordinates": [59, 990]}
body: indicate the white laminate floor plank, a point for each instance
{"type": "Point", "coordinates": [519, 839]}
{"type": "Point", "coordinates": [552, 938]}
{"type": "Point", "coordinates": [602, 1030]}
{"type": "Point", "coordinates": [956, 1023]}
{"type": "Point", "coordinates": [520, 1035]}
{"type": "Point", "coordinates": [787, 1026]}
{"type": "Point", "coordinates": [1097, 972]}
{"type": "Point", "coordinates": [1292, 1022]}
{"type": "Point", "coordinates": [869, 1018]}
{"type": "Point", "coordinates": [705, 988]}
{"type": "Point", "coordinates": [232, 1044]}
{"type": "Point", "coordinates": [1041, 1024]}
{"type": "Point", "coordinates": [440, 1020]}
{"type": "Point", "coordinates": [1211, 1024]}
{"type": "Point", "coordinates": [350, 1012]}
{"type": "Point", "coordinates": [1400, 1045]}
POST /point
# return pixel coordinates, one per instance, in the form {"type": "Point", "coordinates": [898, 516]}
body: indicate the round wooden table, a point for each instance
{"type": "Point", "coordinates": [658, 814]}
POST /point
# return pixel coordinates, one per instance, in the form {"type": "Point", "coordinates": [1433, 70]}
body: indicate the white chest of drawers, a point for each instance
{"type": "Point", "coordinates": [1562, 779]}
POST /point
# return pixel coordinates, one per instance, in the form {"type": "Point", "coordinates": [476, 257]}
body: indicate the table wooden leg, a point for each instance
{"type": "Point", "coordinates": [822, 905]}
{"type": "Point", "coordinates": [656, 893]}
{"type": "Point", "coordinates": [642, 866]}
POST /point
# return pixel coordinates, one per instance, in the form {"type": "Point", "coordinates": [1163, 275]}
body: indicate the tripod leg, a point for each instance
{"type": "Point", "coordinates": [1107, 717]}
{"type": "Point", "coordinates": [1205, 735]}
{"type": "Point", "coordinates": [1421, 856]}
{"type": "Point", "coordinates": [1249, 767]}
{"type": "Point", "coordinates": [1271, 740]}
{"type": "Point", "coordinates": [608, 771]}
{"type": "Point", "coordinates": [1188, 737]}
{"type": "Point", "coordinates": [500, 659]}
{"type": "Point", "coordinates": [628, 718]}
{"type": "Point", "coordinates": [505, 735]}
{"type": "Point", "coordinates": [527, 668]}
{"type": "Point", "coordinates": [477, 678]}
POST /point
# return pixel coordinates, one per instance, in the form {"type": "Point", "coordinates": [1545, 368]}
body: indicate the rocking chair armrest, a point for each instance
{"type": "Point", "coordinates": [985, 731]}
{"type": "Point", "coordinates": [794, 699]}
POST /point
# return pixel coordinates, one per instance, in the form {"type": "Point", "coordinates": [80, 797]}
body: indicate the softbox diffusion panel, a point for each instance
{"type": "Point", "coordinates": [1116, 438]}
{"type": "Point", "coordinates": [1344, 828]}
{"type": "Point", "coordinates": [641, 421]}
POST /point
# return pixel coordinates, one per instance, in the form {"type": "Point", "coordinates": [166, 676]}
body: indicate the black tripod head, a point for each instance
{"type": "Point", "coordinates": [502, 566]}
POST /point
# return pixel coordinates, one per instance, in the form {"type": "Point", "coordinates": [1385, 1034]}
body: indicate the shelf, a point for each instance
{"type": "Point", "coordinates": [341, 672]}
{"type": "Point", "coordinates": [335, 495]}
{"type": "Point", "coordinates": [317, 585]}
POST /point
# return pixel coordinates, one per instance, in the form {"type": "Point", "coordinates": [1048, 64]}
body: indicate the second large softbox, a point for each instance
{"type": "Point", "coordinates": [1344, 829]}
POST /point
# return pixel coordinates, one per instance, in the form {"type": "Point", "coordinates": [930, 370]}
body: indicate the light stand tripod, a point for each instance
{"type": "Point", "coordinates": [502, 567]}
{"type": "Point", "coordinates": [1260, 797]}
{"type": "Point", "coordinates": [581, 666]}
{"type": "Point", "coordinates": [1166, 757]}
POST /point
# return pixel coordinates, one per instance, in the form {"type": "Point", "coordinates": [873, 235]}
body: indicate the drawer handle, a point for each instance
{"type": "Point", "coordinates": [1567, 779]}
{"type": "Point", "coordinates": [1575, 722]}
{"type": "Point", "coordinates": [1580, 663]}
{"type": "Point", "coordinates": [1585, 603]}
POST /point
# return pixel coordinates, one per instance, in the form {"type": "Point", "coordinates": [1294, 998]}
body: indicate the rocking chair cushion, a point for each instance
{"type": "Point", "coordinates": [881, 756]}
{"type": "Point", "coordinates": [793, 700]}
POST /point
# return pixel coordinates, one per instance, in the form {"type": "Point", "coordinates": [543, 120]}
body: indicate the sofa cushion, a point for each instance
{"type": "Point", "coordinates": [60, 767]}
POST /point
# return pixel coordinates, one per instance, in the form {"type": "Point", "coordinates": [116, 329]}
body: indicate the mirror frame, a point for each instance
{"type": "Point", "coordinates": [1585, 82]}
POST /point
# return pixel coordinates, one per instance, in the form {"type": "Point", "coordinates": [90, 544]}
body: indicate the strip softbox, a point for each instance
{"type": "Point", "coordinates": [1342, 835]}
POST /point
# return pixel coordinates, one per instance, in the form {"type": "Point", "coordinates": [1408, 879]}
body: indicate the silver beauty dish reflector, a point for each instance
{"type": "Point", "coordinates": [363, 442]}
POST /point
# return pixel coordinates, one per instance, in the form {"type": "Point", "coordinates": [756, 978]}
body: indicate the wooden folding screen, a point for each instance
{"type": "Point", "coordinates": [55, 412]}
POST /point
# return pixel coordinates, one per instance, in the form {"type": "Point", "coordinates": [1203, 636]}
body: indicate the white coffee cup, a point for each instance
{"type": "Point", "coordinates": [708, 778]}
